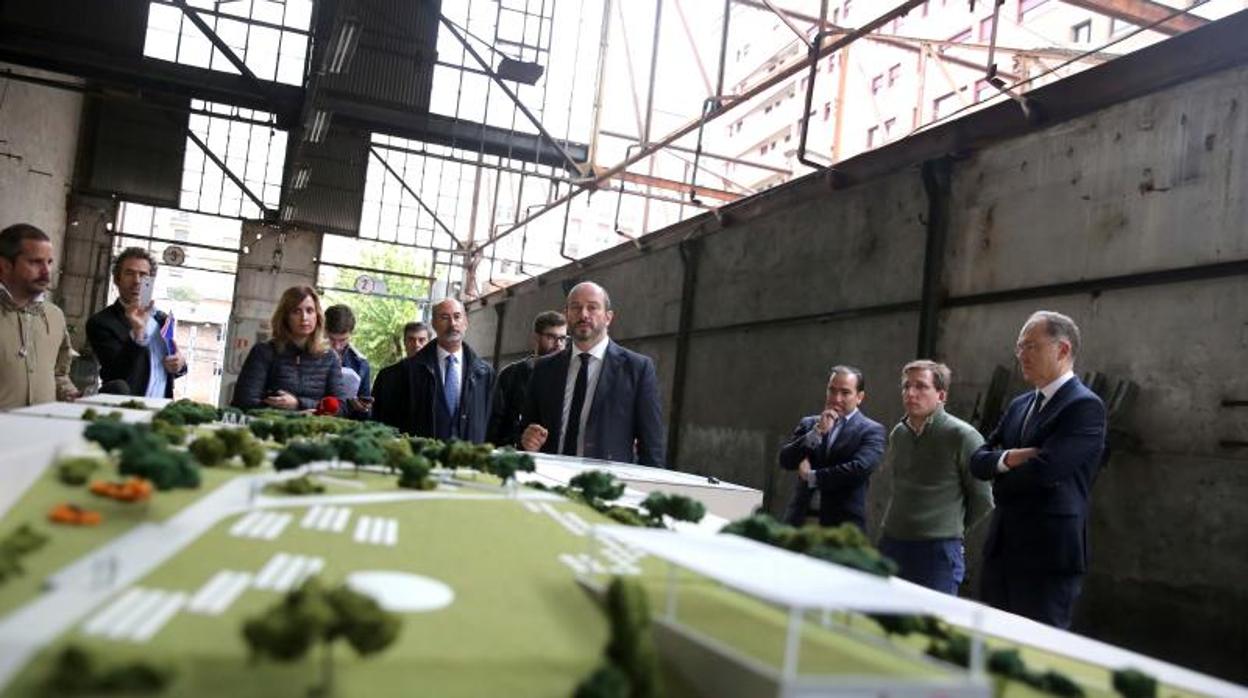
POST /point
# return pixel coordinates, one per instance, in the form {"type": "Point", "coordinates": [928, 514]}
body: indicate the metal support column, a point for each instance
{"type": "Point", "coordinates": [689, 254]}
{"type": "Point", "coordinates": [937, 175]}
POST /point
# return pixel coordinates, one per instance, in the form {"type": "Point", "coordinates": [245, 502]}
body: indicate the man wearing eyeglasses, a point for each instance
{"type": "Point", "coordinates": [550, 335]}
{"type": "Point", "coordinates": [1042, 459]}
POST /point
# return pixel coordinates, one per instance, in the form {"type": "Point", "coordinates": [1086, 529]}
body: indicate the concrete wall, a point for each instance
{"type": "Point", "coordinates": [270, 262]}
{"type": "Point", "coordinates": [38, 145]}
{"type": "Point", "coordinates": [804, 276]}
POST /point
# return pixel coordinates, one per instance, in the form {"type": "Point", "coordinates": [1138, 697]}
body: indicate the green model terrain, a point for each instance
{"type": "Point", "coordinates": [68, 543]}
{"type": "Point", "coordinates": [519, 625]}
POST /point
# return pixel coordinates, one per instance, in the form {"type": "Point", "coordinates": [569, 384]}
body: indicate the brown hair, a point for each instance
{"type": "Point", "coordinates": [134, 253]}
{"type": "Point", "coordinates": [941, 375]}
{"type": "Point", "coordinates": [12, 237]}
{"type": "Point", "coordinates": [291, 298]}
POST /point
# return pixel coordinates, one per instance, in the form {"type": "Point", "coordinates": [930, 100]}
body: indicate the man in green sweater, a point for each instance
{"type": "Point", "coordinates": [934, 498]}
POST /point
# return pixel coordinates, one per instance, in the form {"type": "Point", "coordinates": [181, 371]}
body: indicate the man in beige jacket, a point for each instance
{"type": "Point", "coordinates": [34, 345]}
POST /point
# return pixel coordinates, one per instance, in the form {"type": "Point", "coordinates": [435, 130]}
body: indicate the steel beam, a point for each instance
{"type": "Point", "coordinates": [139, 74]}
{"type": "Point", "coordinates": [1144, 13]}
{"type": "Point", "coordinates": [673, 185]}
{"type": "Point", "coordinates": [217, 42]}
{"type": "Point", "coordinates": [780, 75]}
{"type": "Point", "coordinates": [448, 131]}
{"type": "Point", "coordinates": [706, 154]}
{"type": "Point", "coordinates": [269, 213]}
{"type": "Point", "coordinates": [909, 44]}
{"type": "Point", "coordinates": [403, 183]}
{"type": "Point", "coordinates": [558, 146]}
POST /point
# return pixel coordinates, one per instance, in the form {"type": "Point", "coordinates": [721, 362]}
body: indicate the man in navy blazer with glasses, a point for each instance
{"type": "Point", "coordinates": [1042, 459]}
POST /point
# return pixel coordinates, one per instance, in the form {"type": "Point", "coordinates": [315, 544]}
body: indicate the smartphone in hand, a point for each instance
{"type": "Point", "coordinates": [145, 291]}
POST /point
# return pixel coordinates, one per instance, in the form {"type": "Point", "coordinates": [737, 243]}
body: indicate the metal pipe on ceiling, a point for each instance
{"type": "Point", "coordinates": [779, 76]}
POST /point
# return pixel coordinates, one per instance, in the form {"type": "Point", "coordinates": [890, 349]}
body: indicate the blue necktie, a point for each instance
{"type": "Point", "coordinates": [450, 386]}
{"type": "Point", "coordinates": [1036, 405]}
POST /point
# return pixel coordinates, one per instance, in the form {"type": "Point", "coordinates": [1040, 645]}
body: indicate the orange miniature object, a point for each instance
{"type": "Point", "coordinates": [74, 515]}
{"type": "Point", "coordinates": [134, 489]}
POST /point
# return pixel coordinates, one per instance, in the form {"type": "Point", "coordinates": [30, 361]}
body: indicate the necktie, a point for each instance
{"type": "Point", "coordinates": [578, 404]}
{"type": "Point", "coordinates": [1036, 406]}
{"type": "Point", "coordinates": [450, 385]}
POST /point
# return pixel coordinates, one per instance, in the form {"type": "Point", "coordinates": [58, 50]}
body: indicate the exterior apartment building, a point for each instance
{"type": "Point", "coordinates": [919, 69]}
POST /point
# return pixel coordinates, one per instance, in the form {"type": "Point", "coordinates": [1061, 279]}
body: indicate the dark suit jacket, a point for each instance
{"type": "Point", "coordinates": [842, 471]}
{"type": "Point", "coordinates": [1040, 523]}
{"type": "Point", "coordinates": [388, 390]}
{"type": "Point", "coordinates": [408, 402]}
{"type": "Point", "coordinates": [625, 420]}
{"type": "Point", "coordinates": [506, 423]}
{"type": "Point", "coordinates": [120, 357]}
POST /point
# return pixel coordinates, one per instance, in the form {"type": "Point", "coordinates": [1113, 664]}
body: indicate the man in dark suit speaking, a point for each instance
{"type": "Point", "coordinates": [1042, 459]}
{"type": "Point", "coordinates": [595, 399]}
{"type": "Point", "coordinates": [834, 454]}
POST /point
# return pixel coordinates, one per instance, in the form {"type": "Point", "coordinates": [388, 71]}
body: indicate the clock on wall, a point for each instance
{"type": "Point", "coordinates": [174, 256]}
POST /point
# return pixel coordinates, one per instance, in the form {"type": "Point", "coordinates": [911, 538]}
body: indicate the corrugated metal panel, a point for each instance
{"type": "Point", "coordinates": [393, 63]}
{"type": "Point", "coordinates": [138, 148]}
{"type": "Point", "coordinates": [334, 196]}
{"type": "Point", "coordinates": [114, 26]}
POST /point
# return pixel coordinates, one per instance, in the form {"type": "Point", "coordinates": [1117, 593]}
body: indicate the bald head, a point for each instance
{"type": "Point", "coordinates": [589, 289]}
{"type": "Point", "coordinates": [589, 314]}
{"type": "Point", "coordinates": [449, 322]}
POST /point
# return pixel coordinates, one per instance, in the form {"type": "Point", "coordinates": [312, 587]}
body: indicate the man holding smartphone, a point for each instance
{"type": "Point", "coordinates": [130, 338]}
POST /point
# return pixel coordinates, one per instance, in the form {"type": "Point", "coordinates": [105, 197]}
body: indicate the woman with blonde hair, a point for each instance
{"type": "Point", "coordinates": [295, 369]}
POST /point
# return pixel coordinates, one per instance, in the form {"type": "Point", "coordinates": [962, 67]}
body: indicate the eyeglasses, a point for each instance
{"type": "Point", "coordinates": [1029, 346]}
{"type": "Point", "coordinates": [557, 338]}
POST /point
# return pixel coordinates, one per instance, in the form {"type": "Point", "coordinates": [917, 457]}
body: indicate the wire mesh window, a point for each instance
{"type": "Point", "coordinates": [271, 38]}
{"type": "Point", "coordinates": [250, 148]}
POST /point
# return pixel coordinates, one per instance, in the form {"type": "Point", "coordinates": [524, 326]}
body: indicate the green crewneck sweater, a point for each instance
{"type": "Point", "coordinates": [933, 493]}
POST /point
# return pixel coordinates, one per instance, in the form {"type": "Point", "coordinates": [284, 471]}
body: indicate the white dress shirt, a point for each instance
{"type": "Point", "coordinates": [459, 366]}
{"type": "Point", "coordinates": [596, 354]}
{"type": "Point", "coordinates": [1049, 391]}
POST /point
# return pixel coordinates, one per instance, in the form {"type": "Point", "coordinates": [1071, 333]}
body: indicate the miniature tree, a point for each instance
{"type": "Point", "coordinates": [607, 681]}
{"type": "Point", "coordinates": [111, 435]}
{"type": "Point", "coordinates": [358, 448]}
{"type": "Point", "coordinates": [630, 661]}
{"type": "Point", "coordinates": [149, 458]}
{"type": "Point", "coordinates": [77, 671]}
{"type": "Point", "coordinates": [1133, 683]}
{"type": "Point", "coordinates": [172, 433]}
{"type": "Point", "coordinates": [235, 440]}
{"type": "Point", "coordinates": [298, 453]}
{"type": "Point", "coordinates": [597, 486]}
{"type": "Point", "coordinates": [631, 646]}
{"type": "Point", "coordinates": [208, 450]}
{"type": "Point", "coordinates": [253, 454]}
{"type": "Point", "coordinates": [77, 470]}
{"type": "Point", "coordinates": [23, 541]}
{"type": "Point", "coordinates": [312, 614]}
{"type": "Point", "coordinates": [188, 412]}
{"type": "Point", "coordinates": [845, 544]}
{"type": "Point", "coordinates": [760, 527]}
{"type": "Point", "coordinates": [678, 507]}
{"type": "Point", "coordinates": [396, 451]}
{"type": "Point", "coordinates": [507, 462]}
{"type": "Point", "coordinates": [465, 454]}
{"type": "Point", "coordinates": [261, 428]}
{"type": "Point", "coordinates": [414, 473]}
{"type": "Point", "coordinates": [297, 486]}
